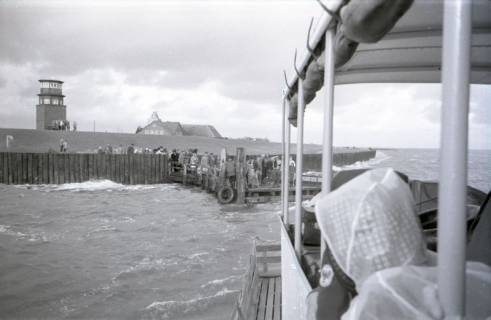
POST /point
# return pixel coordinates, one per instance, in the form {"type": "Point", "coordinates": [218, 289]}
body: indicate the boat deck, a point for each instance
{"type": "Point", "coordinates": [269, 306]}
{"type": "Point", "coordinates": [260, 298]}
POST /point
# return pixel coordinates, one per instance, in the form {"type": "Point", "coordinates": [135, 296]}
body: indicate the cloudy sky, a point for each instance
{"type": "Point", "coordinates": [214, 62]}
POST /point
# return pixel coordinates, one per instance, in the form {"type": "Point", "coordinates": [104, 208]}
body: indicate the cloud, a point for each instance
{"type": "Point", "coordinates": [216, 62]}
{"type": "Point", "coordinates": [384, 115]}
{"type": "Point", "coordinates": [235, 44]}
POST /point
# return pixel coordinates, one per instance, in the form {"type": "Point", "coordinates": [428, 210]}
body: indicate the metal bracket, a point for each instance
{"type": "Point", "coordinates": [286, 81]}
{"type": "Point", "coordinates": [299, 74]}
{"type": "Point", "coordinates": [333, 14]}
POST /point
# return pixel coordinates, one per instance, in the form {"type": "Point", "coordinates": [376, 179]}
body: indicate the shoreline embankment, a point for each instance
{"type": "Point", "coordinates": [32, 156]}
{"type": "Point", "coordinates": [39, 141]}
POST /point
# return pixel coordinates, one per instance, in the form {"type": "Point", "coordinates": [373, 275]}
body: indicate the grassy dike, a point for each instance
{"type": "Point", "coordinates": [27, 140]}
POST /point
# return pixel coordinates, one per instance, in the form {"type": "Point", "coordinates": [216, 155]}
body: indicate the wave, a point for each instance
{"type": "Point", "coordinates": [174, 309]}
{"type": "Point", "coordinates": [7, 230]}
{"type": "Point", "coordinates": [104, 228]}
{"type": "Point", "coordinates": [198, 255]}
{"type": "Point", "coordinates": [380, 157]}
{"type": "Point", "coordinates": [87, 186]}
{"type": "Point", "coordinates": [220, 282]}
{"type": "Point", "coordinates": [150, 265]}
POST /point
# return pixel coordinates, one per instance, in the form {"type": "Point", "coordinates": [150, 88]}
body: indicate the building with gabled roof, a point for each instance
{"type": "Point", "coordinates": [156, 126]}
{"type": "Point", "coordinates": [201, 130]}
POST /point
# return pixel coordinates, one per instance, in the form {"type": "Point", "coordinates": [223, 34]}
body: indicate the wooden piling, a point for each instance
{"type": "Point", "coordinates": [1, 169]}
{"type": "Point", "coordinates": [240, 163]}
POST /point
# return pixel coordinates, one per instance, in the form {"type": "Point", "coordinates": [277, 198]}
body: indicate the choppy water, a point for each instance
{"type": "Point", "coordinates": [423, 164]}
{"type": "Point", "coordinates": [103, 250]}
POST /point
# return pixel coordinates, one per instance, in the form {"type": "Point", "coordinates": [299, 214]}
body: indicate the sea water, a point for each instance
{"type": "Point", "coordinates": [103, 250]}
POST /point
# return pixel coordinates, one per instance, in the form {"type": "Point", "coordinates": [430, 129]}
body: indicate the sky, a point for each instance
{"type": "Point", "coordinates": [202, 62]}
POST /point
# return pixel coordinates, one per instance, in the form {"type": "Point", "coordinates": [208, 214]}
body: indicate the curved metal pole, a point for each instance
{"type": "Point", "coordinates": [299, 169]}
{"type": "Point", "coordinates": [327, 137]}
{"type": "Point", "coordinates": [453, 157]}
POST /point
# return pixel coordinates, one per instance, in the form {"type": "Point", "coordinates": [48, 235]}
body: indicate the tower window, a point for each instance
{"type": "Point", "coordinates": [46, 101]}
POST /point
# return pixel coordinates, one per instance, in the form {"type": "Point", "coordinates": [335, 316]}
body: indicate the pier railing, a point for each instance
{"type": "Point", "coordinates": [57, 168]}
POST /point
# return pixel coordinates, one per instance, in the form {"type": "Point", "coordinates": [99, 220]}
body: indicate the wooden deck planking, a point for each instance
{"type": "Point", "coordinates": [269, 304]}
{"type": "Point", "coordinates": [260, 297]}
{"type": "Point", "coordinates": [277, 299]}
{"type": "Point", "coordinates": [270, 299]}
{"type": "Point", "coordinates": [263, 297]}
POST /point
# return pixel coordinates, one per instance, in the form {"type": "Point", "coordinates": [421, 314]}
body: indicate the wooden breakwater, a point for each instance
{"type": "Point", "coordinates": [57, 168]}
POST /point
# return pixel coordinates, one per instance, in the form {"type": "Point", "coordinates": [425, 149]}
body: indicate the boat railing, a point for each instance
{"type": "Point", "coordinates": [455, 78]}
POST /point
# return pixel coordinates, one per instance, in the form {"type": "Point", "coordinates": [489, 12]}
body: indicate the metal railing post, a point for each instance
{"type": "Point", "coordinates": [453, 156]}
{"type": "Point", "coordinates": [299, 169]}
{"type": "Point", "coordinates": [286, 167]}
{"type": "Point", "coordinates": [327, 137]}
{"type": "Point", "coordinates": [283, 156]}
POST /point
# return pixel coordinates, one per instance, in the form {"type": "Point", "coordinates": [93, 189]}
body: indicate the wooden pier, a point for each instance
{"type": "Point", "coordinates": [261, 194]}
{"type": "Point", "coordinates": [260, 298]}
{"type": "Point", "coordinates": [266, 194]}
{"type": "Point", "coordinates": [59, 168]}
{"type": "Point", "coordinates": [215, 180]}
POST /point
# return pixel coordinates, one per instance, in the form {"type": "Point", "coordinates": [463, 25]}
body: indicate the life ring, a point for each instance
{"type": "Point", "coordinates": [226, 195]}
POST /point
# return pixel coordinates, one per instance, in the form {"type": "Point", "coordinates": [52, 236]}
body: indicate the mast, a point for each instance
{"type": "Point", "coordinates": [327, 137]}
{"type": "Point", "coordinates": [457, 28]}
{"type": "Point", "coordinates": [285, 163]}
{"type": "Point", "coordinates": [299, 170]}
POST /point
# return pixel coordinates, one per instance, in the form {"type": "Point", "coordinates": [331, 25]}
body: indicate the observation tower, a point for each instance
{"type": "Point", "coordinates": [51, 112]}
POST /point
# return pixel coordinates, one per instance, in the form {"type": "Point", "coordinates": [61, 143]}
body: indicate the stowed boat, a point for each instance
{"type": "Point", "coordinates": [374, 244]}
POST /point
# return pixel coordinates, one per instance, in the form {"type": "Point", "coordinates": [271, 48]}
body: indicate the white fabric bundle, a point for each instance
{"type": "Point", "coordinates": [411, 292]}
{"type": "Point", "coordinates": [370, 224]}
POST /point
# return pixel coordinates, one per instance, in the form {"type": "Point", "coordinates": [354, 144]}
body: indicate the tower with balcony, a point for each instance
{"type": "Point", "coordinates": [51, 110]}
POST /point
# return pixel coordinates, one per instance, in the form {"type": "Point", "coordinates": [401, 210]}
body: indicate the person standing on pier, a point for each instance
{"type": "Point", "coordinates": [131, 149]}
{"type": "Point", "coordinates": [230, 171]}
{"type": "Point", "coordinates": [62, 141]}
{"type": "Point", "coordinates": [205, 163]}
{"type": "Point", "coordinates": [109, 149]}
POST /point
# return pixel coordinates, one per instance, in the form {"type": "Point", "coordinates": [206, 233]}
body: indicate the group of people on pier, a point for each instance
{"type": "Point", "coordinates": [131, 149]}
{"type": "Point", "coordinates": [263, 170]}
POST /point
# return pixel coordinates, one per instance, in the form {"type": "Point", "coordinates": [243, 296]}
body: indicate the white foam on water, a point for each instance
{"type": "Point", "coordinates": [380, 157]}
{"type": "Point", "coordinates": [220, 282]}
{"type": "Point", "coordinates": [172, 309]}
{"type": "Point", "coordinates": [198, 255]}
{"type": "Point", "coordinates": [3, 228]}
{"type": "Point", "coordinates": [92, 185]}
{"type": "Point", "coordinates": [149, 264]}
{"type": "Point", "coordinates": [7, 230]}
{"type": "Point", "coordinates": [127, 220]}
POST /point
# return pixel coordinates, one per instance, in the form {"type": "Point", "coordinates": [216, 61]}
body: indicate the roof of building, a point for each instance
{"type": "Point", "coordinates": [169, 128]}
{"type": "Point", "coordinates": [50, 80]}
{"type": "Point", "coordinates": [172, 128]}
{"type": "Point", "coordinates": [202, 130]}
